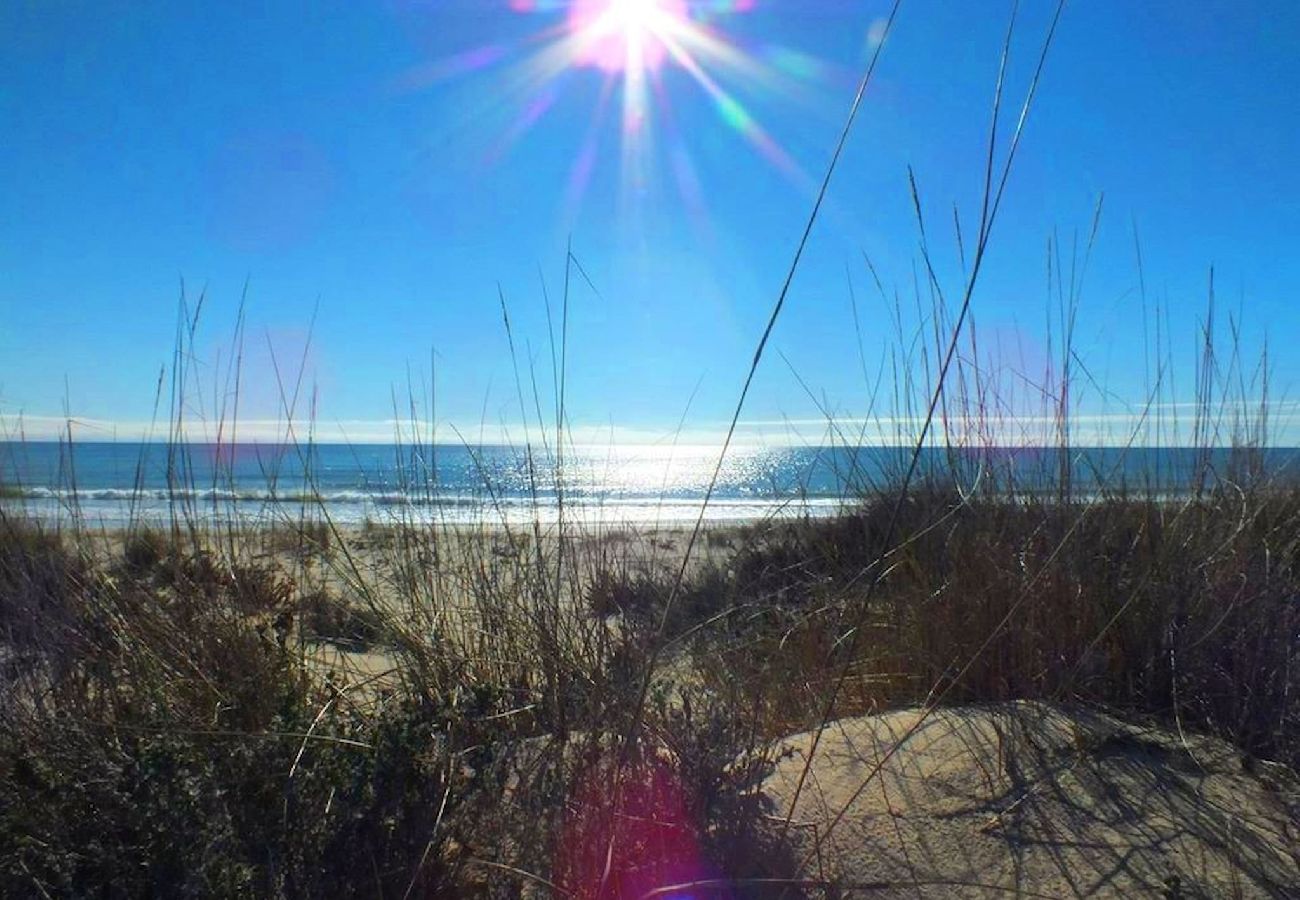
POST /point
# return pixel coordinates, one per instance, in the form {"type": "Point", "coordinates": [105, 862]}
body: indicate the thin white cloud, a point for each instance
{"type": "Point", "coordinates": [1175, 421]}
{"type": "Point", "coordinates": [876, 33]}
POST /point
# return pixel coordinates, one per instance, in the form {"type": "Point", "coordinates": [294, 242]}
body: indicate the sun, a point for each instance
{"type": "Point", "coordinates": [640, 56]}
{"type": "Point", "coordinates": [625, 36]}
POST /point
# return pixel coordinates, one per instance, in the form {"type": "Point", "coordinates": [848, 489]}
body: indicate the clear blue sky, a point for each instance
{"type": "Point", "coordinates": [394, 161]}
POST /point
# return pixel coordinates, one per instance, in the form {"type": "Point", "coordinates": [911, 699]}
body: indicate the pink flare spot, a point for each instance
{"type": "Point", "coordinates": [633, 122]}
{"type": "Point", "coordinates": [654, 840]}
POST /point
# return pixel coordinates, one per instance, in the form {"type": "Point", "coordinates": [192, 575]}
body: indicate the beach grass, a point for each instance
{"type": "Point", "coordinates": [410, 709]}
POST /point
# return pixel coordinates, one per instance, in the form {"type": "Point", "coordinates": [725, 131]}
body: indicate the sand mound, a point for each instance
{"type": "Point", "coordinates": [1030, 800]}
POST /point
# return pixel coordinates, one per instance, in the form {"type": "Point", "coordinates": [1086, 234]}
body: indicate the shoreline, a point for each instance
{"type": "Point", "coordinates": [476, 515]}
{"type": "Point", "coordinates": [123, 514]}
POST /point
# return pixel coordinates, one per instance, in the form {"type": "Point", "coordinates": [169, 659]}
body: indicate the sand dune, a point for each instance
{"type": "Point", "coordinates": [1030, 800]}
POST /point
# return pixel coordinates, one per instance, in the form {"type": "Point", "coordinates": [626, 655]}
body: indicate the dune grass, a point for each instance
{"type": "Point", "coordinates": [171, 724]}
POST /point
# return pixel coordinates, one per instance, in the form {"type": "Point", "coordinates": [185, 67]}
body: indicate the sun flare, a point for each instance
{"type": "Point", "coordinates": [643, 55]}
{"type": "Point", "coordinates": [626, 35]}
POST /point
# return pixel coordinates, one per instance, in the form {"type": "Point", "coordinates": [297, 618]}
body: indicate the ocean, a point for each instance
{"type": "Point", "coordinates": [111, 484]}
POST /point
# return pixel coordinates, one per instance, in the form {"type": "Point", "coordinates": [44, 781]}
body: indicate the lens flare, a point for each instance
{"type": "Point", "coordinates": [624, 35]}
{"type": "Point", "coordinates": [631, 46]}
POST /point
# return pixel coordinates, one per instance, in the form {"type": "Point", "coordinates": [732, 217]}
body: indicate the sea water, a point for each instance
{"type": "Point", "coordinates": [112, 484]}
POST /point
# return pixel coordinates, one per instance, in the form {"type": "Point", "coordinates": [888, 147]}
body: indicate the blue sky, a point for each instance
{"type": "Point", "coordinates": [389, 164]}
